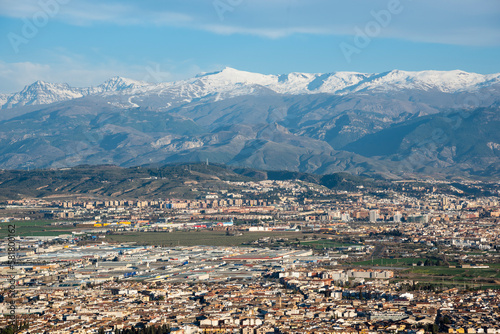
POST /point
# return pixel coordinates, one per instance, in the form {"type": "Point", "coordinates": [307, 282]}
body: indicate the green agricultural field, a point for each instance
{"type": "Point", "coordinates": [445, 276]}
{"type": "Point", "coordinates": [28, 223]}
{"type": "Point", "coordinates": [448, 284]}
{"type": "Point", "coordinates": [457, 273]}
{"type": "Point", "coordinates": [35, 228]}
{"type": "Point", "coordinates": [320, 244]}
{"type": "Point", "coordinates": [207, 238]}
{"type": "Point", "coordinates": [437, 271]}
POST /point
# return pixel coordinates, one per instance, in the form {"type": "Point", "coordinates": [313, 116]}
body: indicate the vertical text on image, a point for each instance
{"type": "Point", "coordinates": [11, 252]}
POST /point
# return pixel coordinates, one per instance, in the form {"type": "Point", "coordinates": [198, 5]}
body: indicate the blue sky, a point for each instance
{"type": "Point", "coordinates": [85, 42]}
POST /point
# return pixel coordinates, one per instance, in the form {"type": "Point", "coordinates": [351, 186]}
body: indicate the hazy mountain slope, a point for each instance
{"type": "Point", "coordinates": [467, 141]}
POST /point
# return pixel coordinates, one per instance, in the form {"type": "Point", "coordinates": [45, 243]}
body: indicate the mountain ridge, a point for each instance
{"type": "Point", "coordinates": [395, 124]}
{"type": "Point", "coordinates": [233, 83]}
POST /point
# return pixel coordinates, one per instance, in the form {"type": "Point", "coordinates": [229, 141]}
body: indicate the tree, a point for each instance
{"type": "Point", "coordinates": [8, 330]}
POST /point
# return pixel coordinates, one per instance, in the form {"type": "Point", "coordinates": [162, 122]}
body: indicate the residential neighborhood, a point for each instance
{"type": "Point", "coordinates": [331, 262]}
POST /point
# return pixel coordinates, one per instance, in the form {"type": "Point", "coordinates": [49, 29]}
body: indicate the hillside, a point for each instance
{"type": "Point", "coordinates": [178, 181]}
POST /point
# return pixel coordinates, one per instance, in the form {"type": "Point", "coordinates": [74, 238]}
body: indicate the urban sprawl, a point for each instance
{"type": "Point", "coordinates": [278, 257]}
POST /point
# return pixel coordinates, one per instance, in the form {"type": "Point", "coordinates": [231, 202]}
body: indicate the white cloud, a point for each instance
{"type": "Point", "coordinates": [14, 76]}
{"type": "Point", "coordinates": [78, 73]}
{"type": "Point", "coordinates": [461, 22]}
{"type": "Point", "coordinates": [273, 33]}
{"type": "Point", "coordinates": [85, 12]}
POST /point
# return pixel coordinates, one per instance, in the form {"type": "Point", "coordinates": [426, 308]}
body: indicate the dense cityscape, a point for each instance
{"type": "Point", "coordinates": [249, 167]}
{"type": "Point", "coordinates": [279, 257]}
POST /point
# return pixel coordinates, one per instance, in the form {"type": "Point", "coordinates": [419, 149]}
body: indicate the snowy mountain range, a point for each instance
{"type": "Point", "coordinates": [231, 82]}
{"type": "Point", "coordinates": [41, 92]}
{"type": "Point", "coordinates": [393, 124]}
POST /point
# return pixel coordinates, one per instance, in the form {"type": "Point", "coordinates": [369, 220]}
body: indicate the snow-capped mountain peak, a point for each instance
{"type": "Point", "coordinates": [444, 81]}
{"type": "Point", "coordinates": [120, 83]}
{"type": "Point", "coordinates": [41, 92]}
{"type": "Point", "coordinates": [231, 82]}
{"type": "Point", "coordinates": [232, 76]}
